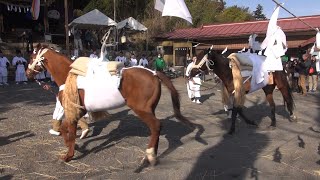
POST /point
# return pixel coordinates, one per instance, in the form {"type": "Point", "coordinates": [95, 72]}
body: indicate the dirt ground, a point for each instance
{"type": "Point", "coordinates": [115, 146]}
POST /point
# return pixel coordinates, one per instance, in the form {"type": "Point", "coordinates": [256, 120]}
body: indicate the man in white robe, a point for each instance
{"type": "Point", "coordinates": [193, 84]}
{"type": "Point", "coordinates": [121, 58]}
{"type": "Point", "coordinates": [143, 61]}
{"type": "Point", "coordinates": [4, 63]}
{"type": "Point", "coordinates": [19, 62]}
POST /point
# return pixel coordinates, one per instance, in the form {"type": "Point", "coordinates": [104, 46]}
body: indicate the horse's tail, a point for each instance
{"type": "Point", "coordinates": [239, 93]}
{"type": "Point", "coordinates": [71, 99]}
{"type": "Point", "coordinates": [175, 99]}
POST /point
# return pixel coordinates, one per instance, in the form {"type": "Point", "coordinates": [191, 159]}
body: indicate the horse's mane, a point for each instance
{"type": "Point", "coordinates": [46, 46]}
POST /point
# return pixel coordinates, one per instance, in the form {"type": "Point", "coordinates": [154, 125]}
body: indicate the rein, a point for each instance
{"type": "Point", "coordinates": [40, 84]}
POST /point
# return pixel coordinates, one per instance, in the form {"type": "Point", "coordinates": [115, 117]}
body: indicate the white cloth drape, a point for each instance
{"type": "Point", "coordinates": [275, 44]}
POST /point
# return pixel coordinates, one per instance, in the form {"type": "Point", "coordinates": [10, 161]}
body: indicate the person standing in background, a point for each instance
{"type": "Point", "coordinates": [303, 66]}
{"type": "Point", "coordinates": [19, 62]}
{"type": "Point", "coordinates": [143, 61]}
{"type": "Point", "coordinates": [4, 64]}
{"type": "Point", "coordinates": [159, 63]}
{"type": "Point", "coordinates": [313, 75]}
{"type": "Point", "coordinates": [193, 83]}
{"type": "Point", "coordinates": [77, 42]}
{"type": "Point", "coordinates": [93, 55]}
{"type": "Point", "coordinates": [133, 60]}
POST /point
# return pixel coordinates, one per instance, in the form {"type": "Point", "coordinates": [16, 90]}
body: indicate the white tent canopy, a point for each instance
{"type": "Point", "coordinates": [92, 19]}
{"type": "Point", "coordinates": [132, 23]}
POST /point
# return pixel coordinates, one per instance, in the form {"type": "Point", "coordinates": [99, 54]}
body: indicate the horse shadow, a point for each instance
{"type": "Point", "coordinates": [206, 97]}
{"type": "Point", "coordinates": [7, 177]}
{"type": "Point", "coordinates": [131, 126]}
{"type": "Point", "coordinates": [235, 155]}
{"type": "Point", "coordinates": [3, 119]}
{"type": "Point", "coordinates": [4, 140]}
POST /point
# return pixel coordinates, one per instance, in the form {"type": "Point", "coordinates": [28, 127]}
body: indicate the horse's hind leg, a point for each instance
{"type": "Point", "coordinates": [268, 91]}
{"type": "Point", "coordinates": [287, 96]}
{"type": "Point", "coordinates": [153, 123]}
{"type": "Point", "coordinates": [69, 130]}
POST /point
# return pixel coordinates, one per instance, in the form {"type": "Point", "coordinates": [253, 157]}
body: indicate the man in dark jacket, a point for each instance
{"type": "Point", "coordinates": [303, 66]}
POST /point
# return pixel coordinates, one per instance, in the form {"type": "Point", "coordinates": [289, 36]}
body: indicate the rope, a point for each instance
{"type": "Point", "coordinates": [316, 29]}
{"type": "Point", "coordinates": [40, 84]}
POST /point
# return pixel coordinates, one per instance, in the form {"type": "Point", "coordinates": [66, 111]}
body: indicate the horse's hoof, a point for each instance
{"type": "Point", "coordinates": [151, 156]}
{"type": "Point", "coordinates": [231, 132]}
{"type": "Point", "coordinates": [253, 123]}
{"type": "Point", "coordinates": [271, 127]}
{"type": "Point", "coordinates": [66, 158]}
{"type": "Point", "coordinates": [293, 118]}
{"type": "Point", "coordinates": [144, 163]}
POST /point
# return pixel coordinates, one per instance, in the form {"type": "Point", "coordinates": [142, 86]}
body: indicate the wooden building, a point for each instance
{"type": "Point", "coordinates": [175, 45]}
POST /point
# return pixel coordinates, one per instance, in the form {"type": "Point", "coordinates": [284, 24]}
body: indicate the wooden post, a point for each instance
{"type": "Point", "coordinates": [45, 17]}
{"type": "Point", "coordinates": [66, 26]}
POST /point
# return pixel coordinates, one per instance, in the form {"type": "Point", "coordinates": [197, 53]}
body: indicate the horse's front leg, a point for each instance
{"type": "Point", "coordinates": [69, 139]}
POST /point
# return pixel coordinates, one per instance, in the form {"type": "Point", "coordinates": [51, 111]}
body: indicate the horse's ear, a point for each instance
{"type": "Point", "coordinates": [38, 46]}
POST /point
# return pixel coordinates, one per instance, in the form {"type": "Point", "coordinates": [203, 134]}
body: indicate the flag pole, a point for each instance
{"type": "Point", "coordinates": [275, 1]}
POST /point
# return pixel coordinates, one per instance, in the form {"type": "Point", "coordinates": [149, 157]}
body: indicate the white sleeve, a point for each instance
{"type": "Point", "coordinates": [188, 70]}
{"type": "Point", "coordinates": [140, 62]}
{"type": "Point", "coordinates": [14, 61]}
{"type": "Point", "coordinates": [7, 60]}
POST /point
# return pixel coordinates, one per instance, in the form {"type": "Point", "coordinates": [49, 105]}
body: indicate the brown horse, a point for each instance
{"type": "Point", "coordinates": [228, 70]}
{"type": "Point", "coordinates": [141, 89]}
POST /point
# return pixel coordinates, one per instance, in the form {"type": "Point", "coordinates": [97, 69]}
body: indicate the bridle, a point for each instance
{"type": "Point", "coordinates": [206, 61]}
{"type": "Point", "coordinates": [38, 61]}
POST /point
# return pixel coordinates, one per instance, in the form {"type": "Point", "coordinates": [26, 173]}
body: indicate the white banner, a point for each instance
{"type": "Point", "coordinates": [177, 8]}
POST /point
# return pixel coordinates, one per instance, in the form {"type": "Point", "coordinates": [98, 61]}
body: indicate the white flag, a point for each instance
{"type": "Point", "coordinates": [272, 27]}
{"type": "Point", "coordinates": [177, 8]}
{"type": "Point", "coordinates": [159, 4]}
{"type": "Point", "coordinates": [225, 50]}
{"type": "Point", "coordinates": [318, 40]}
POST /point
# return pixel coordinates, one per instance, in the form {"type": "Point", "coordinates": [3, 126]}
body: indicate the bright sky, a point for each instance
{"type": "Point", "coordinates": [297, 7]}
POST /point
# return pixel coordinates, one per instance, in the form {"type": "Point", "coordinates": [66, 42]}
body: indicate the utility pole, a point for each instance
{"type": "Point", "coordinates": [66, 23]}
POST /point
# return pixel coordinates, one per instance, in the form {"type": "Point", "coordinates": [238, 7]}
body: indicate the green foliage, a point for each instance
{"type": "Point", "coordinates": [235, 14]}
{"type": "Point", "coordinates": [258, 13]}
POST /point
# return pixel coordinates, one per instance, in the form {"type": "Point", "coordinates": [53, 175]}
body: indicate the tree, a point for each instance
{"type": "Point", "coordinates": [235, 14]}
{"type": "Point", "coordinates": [257, 14]}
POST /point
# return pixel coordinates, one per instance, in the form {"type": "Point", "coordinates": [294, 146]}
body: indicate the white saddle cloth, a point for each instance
{"type": "Point", "coordinates": [259, 73]}
{"type": "Point", "coordinates": [101, 89]}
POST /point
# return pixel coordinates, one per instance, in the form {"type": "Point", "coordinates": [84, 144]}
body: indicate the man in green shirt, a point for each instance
{"type": "Point", "coordinates": [159, 63]}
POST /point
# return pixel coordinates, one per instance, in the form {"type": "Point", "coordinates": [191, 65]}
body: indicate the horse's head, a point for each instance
{"type": "Point", "coordinates": [37, 61]}
{"type": "Point", "coordinates": [205, 62]}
